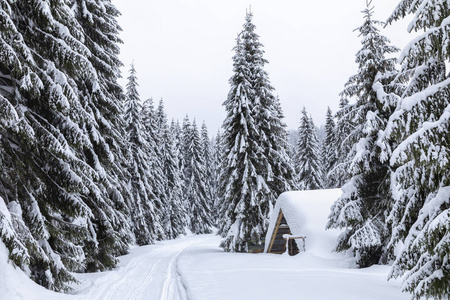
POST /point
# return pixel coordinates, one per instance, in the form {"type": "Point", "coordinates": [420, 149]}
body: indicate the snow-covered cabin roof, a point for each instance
{"type": "Point", "coordinates": [306, 214]}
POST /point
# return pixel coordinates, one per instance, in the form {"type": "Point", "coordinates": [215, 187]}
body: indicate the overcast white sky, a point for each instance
{"type": "Point", "coordinates": [182, 51]}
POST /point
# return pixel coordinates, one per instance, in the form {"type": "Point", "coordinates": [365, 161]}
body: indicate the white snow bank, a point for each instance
{"type": "Point", "coordinates": [306, 213]}
{"type": "Point", "coordinates": [14, 284]}
{"type": "Point", "coordinates": [209, 273]}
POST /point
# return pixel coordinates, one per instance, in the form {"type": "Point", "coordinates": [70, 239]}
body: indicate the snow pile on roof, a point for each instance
{"type": "Point", "coordinates": [306, 213]}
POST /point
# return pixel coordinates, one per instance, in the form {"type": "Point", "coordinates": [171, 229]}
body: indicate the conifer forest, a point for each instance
{"type": "Point", "coordinates": [89, 169]}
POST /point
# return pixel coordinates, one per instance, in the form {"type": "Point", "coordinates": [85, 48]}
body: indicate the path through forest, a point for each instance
{"type": "Point", "coordinates": [195, 268]}
{"type": "Point", "coordinates": [148, 272]}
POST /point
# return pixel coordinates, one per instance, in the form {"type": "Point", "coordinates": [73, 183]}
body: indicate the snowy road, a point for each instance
{"type": "Point", "coordinates": [195, 268]}
{"type": "Point", "coordinates": [148, 273]}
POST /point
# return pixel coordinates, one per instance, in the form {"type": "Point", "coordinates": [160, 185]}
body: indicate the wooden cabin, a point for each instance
{"type": "Point", "coordinates": [298, 223]}
{"type": "Point", "coordinates": [282, 237]}
{"type": "Point", "coordinates": [285, 232]}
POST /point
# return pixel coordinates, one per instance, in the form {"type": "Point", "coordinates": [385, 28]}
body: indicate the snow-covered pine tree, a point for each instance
{"type": "Point", "coordinates": [361, 208]}
{"type": "Point", "coordinates": [307, 157]}
{"type": "Point", "coordinates": [53, 188]}
{"type": "Point", "coordinates": [15, 133]}
{"type": "Point", "coordinates": [275, 166]}
{"type": "Point", "coordinates": [344, 125]}
{"type": "Point", "coordinates": [146, 223]}
{"type": "Point", "coordinates": [216, 162]}
{"type": "Point", "coordinates": [237, 223]}
{"type": "Point", "coordinates": [102, 97]}
{"type": "Point", "coordinates": [208, 162]}
{"type": "Point", "coordinates": [292, 141]}
{"type": "Point", "coordinates": [255, 167]}
{"type": "Point", "coordinates": [101, 29]}
{"type": "Point", "coordinates": [197, 204]}
{"type": "Point", "coordinates": [149, 119]}
{"type": "Point", "coordinates": [16, 136]}
{"type": "Point", "coordinates": [175, 128]}
{"type": "Point", "coordinates": [174, 220]}
{"type": "Point", "coordinates": [277, 141]}
{"type": "Point", "coordinates": [184, 156]}
{"type": "Point", "coordinates": [155, 174]}
{"type": "Point", "coordinates": [420, 158]}
{"type": "Point", "coordinates": [329, 150]}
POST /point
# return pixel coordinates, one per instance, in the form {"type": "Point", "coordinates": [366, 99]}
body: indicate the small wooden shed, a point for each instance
{"type": "Point", "coordinates": [299, 220]}
{"type": "Point", "coordinates": [285, 230]}
{"type": "Point", "coordinates": [282, 237]}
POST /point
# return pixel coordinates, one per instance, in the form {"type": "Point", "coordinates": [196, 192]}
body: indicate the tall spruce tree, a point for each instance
{"type": "Point", "coordinates": [174, 220]}
{"type": "Point", "coordinates": [207, 160]}
{"type": "Point", "coordinates": [143, 213]}
{"type": "Point", "coordinates": [255, 167]}
{"type": "Point", "coordinates": [307, 157]}
{"type": "Point", "coordinates": [420, 157]}
{"type": "Point", "coordinates": [176, 130]}
{"type": "Point", "coordinates": [184, 153]}
{"type": "Point", "coordinates": [197, 204]}
{"type": "Point", "coordinates": [344, 125]}
{"type": "Point", "coordinates": [216, 164]}
{"type": "Point", "coordinates": [102, 97]}
{"type": "Point", "coordinates": [155, 174]}
{"type": "Point", "coordinates": [361, 209]}
{"type": "Point", "coordinates": [16, 138]}
{"type": "Point", "coordinates": [329, 150]}
{"type": "Point", "coordinates": [71, 211]}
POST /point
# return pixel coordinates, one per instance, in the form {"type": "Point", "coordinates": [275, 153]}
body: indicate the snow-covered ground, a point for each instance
{"type": "Point", "coordinates": [195, 268]}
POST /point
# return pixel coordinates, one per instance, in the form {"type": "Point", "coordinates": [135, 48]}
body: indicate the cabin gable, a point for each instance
{"type": "Point", "coordinates": [278, 242]}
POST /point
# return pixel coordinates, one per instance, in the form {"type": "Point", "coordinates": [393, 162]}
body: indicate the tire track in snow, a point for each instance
{"type": "Point", "coordinates": [171, 280]}
{"type": "Point", "coordinates": [123, 282]}
{"type": "Point", "coordinates": [150, 272]}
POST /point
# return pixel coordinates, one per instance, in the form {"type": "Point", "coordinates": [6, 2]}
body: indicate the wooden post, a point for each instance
{"type": "Point", "coordinates": [289, 237]}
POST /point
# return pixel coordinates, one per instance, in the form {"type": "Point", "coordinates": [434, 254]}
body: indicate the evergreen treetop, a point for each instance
{"type": "Point", "coordinates": [329, 150]}
{"type": "Point", "coordinates": [307, 161]}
